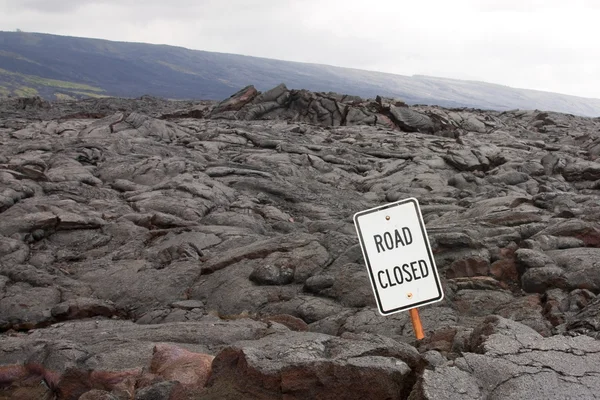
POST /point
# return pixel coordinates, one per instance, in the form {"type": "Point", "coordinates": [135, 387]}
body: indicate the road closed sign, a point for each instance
{"type": "Point", "coordinates": [398, 256]}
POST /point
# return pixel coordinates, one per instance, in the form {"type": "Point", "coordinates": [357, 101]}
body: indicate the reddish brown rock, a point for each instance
{"type": "Point", "coordinates": [75, 382]}
{"type": "Point", "coordinates": [588, 232]}
{"type": "Point", "coordinates": [467, 267]}
{"type": "Point", "coordinates": [513, 218]}
{"type": "Point", "coordinates": [529, 311]}
{"type": "Point", "coordinates": [178, 364]}
{"type": "Point", "coordinates": [293, 323]}
{"type": "Point", "coordinates": [555, 302]}
{"type": "Point", "coordinates": [236, 101]}
{"type": "Point", "coordinates": [26, 382]}
{"type": "Point", "coordinates": [440, 339]}
{"type": "Point", "coordinates": [505, 270]}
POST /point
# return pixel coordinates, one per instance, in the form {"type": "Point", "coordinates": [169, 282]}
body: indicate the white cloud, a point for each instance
{"type": "Point", "coordinates": [539, 44]}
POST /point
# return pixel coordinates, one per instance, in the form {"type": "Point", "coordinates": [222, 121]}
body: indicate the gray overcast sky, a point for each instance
{"type": "Point", "coordinates": [547, 45]}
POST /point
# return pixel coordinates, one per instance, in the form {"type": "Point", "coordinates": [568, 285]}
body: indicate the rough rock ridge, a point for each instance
{"type": "Point", "coordinates": [226, 230]}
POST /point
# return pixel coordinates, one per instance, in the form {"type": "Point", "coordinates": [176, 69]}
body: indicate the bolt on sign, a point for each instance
{"type": "Point", "coordinates": [398, 256]}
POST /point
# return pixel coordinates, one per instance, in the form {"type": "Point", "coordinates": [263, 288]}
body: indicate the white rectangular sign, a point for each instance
{"type": "Point", "coordinates": [398, 256]}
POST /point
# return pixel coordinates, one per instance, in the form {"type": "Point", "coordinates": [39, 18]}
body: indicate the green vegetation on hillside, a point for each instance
{"type": "Point", "coordinates": [23, 85]}
{"type": "Point", "coordinates": [89, 94]}
{"type": "Point", "coordinates": [25, 91]}
{"type": "Point", "coordinates": [178, 68]}
{"type": "Point", "coordinates": [16, 57]}
{"type": "Point", "coordinates": [60, 84]}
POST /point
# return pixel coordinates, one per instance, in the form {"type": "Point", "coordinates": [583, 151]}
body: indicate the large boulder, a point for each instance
{"type": "Point", "coordinates": [308, 366]}
{"type": "Point", "coordinates": [511, 361]}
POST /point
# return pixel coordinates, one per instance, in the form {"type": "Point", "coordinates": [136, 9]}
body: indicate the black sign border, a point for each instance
{"type": "Point", "coordinates": [427, 245]}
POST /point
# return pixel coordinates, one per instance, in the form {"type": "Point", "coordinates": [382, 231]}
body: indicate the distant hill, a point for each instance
{"type": "Point", "coordinates": [62, 67]}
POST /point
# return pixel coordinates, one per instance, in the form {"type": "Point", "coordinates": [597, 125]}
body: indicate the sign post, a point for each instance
{"type": "Point", "coordinates": [399, 259]}
{"type": "Point", "coordinates": [416, 323]}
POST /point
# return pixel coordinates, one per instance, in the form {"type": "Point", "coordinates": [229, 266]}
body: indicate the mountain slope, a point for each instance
{"type": "Point", "coordinates": [59, 66]}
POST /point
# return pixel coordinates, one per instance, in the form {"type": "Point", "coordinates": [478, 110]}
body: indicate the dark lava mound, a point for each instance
{"type": "Point", "coordinates": [139, 238]}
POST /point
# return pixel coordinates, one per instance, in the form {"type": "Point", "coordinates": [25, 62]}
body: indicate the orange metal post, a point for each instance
{"type": "Point", "coordinates": [416, 322]}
